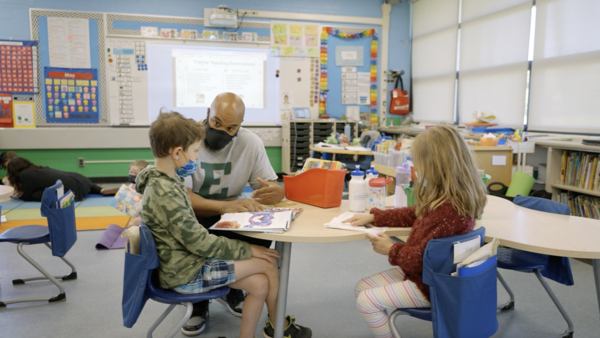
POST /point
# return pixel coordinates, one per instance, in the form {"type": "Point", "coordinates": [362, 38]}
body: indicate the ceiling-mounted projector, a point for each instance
{"type": "Point", "coordinates": [221, 16]}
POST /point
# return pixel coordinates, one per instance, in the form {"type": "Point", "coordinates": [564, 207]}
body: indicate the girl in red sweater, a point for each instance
{"type": "Point", "coordinates": [450, 197]}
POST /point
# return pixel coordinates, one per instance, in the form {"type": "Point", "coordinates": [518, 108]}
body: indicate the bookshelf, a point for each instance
{"type": "Point", "coordinates": [575, 189]}
{"type": "Point", "coordinates": [553, 173]}
{"type": "Point", "coordinates": [298, 135]}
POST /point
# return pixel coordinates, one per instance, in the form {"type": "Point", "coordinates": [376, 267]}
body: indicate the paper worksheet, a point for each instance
{"type": "Point", "coordinates": [337, 223]}
{"type": "Point", "coordinates": [69, 42]}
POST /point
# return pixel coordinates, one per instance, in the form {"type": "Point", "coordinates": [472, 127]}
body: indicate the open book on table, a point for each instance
{"type": "Point", "coordinates": [260, 221]}
{"type": "Point", "coordinates": [295, 211]}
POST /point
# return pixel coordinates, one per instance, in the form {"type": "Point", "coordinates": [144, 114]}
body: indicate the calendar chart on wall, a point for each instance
{"type": "Point", "coordinates": [127, 80]}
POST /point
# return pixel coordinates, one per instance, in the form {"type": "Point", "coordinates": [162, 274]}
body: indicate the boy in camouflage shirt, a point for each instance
{"type": "Point", "coordinates": [191, 259]}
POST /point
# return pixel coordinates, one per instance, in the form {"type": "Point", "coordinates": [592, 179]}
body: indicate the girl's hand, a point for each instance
{"type": "Point", "coordinates": [382, 243]}
{"type": "Point", "coordinates": [17, 194]}
{"type": "Point", "coordinates": [360, 219]}
{"type": "Point", "coordinates": [264, 253]}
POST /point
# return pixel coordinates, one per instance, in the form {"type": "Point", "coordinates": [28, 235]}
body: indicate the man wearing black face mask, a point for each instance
{"type": "Point", "coordinates": [230, 158]}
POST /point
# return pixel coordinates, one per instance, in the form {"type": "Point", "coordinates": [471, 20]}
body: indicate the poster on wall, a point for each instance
{"type": "Point", "coordinates": [71, 95]}
{"type": "Point", "coordinates": [128, 81]}
{"type": "Point", "coordinates": [18, 67]}
{"type": "Point", "coordinates": [69, 42]}
{"type": "Point", "coordinates": [6, 110]}
{"type": "Point", "coordinates": [24, 111]}
{"type": "Point", "coordinates": [349, 56]}
{"type": "Point", "coordinates": [295, 39]}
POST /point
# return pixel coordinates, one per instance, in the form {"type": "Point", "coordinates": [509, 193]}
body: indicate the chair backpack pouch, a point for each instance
{"type": "Point", "coordinates": [137, 271]}
{"type": "Point", "coordinates": [61, 223]}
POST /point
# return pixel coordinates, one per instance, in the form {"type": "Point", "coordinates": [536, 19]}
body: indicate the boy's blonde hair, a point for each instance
{"type": "Point", "coordinates": [444, 161]}
{"type": "Point", "coordinates": [139, 163]}
{"type": "Point", "coordinates": [172, 130]}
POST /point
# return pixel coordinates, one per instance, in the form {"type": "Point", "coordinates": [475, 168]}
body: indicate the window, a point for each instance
{"type": "Point", "coordinates": [434, 42]}
{"type": "Point", "coordinates": [565, 72]}
{"type": "Point", "coordinates": [494, 45]}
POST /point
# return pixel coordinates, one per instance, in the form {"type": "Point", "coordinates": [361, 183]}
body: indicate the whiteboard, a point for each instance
{"type": "Point", "coordinates": [153, 89]}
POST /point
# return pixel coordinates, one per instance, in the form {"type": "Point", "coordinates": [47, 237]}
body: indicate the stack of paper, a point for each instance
{"type": "Point", "coordinates": [337, 223]}
{"type": "Point", "coordinates": [268, 221]}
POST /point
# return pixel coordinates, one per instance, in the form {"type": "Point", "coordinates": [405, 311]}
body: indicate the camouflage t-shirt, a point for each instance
{"type": "Point", "coordinates": [182, 243]}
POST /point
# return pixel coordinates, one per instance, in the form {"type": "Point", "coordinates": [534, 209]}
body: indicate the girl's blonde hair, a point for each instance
{"type": "Point", "coordinates": [447, 172]}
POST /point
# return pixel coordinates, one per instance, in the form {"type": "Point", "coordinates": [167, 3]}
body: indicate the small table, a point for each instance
{"type": "Point", "coordinates": [339, 150]}
{"type": "Point", "coordinates": [544, 233]}
{"type": "Point", "coordinates": [515, 226]}
{"type": "Point", "coordinates": [308, 228]}
{"type": "Point", "coordinates": [6, 191]}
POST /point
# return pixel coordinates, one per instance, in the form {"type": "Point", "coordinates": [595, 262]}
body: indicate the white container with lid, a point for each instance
{"type": "Point", "coordinates": [377, 193]}
{"type": "Point", "coordinates": [356, 191]}
{"type": "Point", "coordinates": [402, 180]}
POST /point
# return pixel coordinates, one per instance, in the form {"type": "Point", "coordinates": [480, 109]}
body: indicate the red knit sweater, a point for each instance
{"type": "Point", "coordinates": [442, 222]}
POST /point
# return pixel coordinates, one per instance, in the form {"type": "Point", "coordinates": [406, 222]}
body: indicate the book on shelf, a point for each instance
{"type": "Point", "coordinates": [580, 170]}
{"type": "Point", "coordinates": [581, 205]}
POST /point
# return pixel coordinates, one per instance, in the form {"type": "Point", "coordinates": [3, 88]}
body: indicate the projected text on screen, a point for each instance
{"type": "Point", "coordinates": [200, 75]}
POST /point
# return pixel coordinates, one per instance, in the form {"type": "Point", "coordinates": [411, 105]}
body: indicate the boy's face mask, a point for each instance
{"type": "Point", "coordinates": [132, 178]}
{"type": "Point", "coordinates": [188, 169]}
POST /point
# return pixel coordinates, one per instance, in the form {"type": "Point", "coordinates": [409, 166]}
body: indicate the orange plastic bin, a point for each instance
{"type": "Point", "coordinates": [319, 187]}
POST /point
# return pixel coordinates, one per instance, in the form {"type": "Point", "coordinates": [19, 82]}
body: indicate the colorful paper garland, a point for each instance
{"type": "Point", "coordinates": [373, 64]}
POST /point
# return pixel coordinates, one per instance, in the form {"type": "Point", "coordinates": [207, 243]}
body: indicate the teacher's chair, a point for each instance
{"type": "Point", "coordinates": [60, 233]}
{"type": "Point", "coordinates": [462, 307]}
{"type": "Point", "coordinates": [555, 268]}
{"type": "Point", "coordinates": [140, 283]}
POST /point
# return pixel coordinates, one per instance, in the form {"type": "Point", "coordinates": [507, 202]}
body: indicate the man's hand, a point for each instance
{"type": "Point", "coordinates": [264, 253]}
{"type": "Point", "coordinates": [242, 205]}
{"type": "Point", "coordinates": [360, 219]}
{"type": "Point", "coordinates": [270, 193]}
{"type": "Point", "coordinates": [382, 243]}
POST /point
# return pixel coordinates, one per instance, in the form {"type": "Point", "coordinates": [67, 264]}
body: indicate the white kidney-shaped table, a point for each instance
{"type": "Point", "coordinates": [514, 226]}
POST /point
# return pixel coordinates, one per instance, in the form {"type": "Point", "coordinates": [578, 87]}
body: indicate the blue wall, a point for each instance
{"type": "Point", "coordinates": [14, 15]}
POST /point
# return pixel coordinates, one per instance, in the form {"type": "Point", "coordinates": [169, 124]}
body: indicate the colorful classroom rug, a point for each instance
{"type": "Point", "coordinates": [93, 213]}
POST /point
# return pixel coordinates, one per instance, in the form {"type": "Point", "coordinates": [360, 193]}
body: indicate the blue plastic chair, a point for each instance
{"type": "Point", "coordinates": [462, 307]}
{"type": "Point", "coordinates": [552, 267]}
{"type": "Point", "coordinates": [140, 283]}
{"type": "Point", "coordinates": [59, 236]}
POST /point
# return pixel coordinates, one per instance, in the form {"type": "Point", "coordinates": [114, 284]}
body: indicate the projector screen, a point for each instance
{"type": "Point", "coordinates": [201, 75]}
{"type": "Point", "coordinates": [192, 76]}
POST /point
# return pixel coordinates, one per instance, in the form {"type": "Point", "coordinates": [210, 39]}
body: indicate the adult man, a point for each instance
{"type": "Point", "coordinates": [230, 158]}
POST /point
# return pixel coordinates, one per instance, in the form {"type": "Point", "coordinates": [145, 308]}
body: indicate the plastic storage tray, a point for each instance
{"type": "Point", "coordinates": [319, 187]}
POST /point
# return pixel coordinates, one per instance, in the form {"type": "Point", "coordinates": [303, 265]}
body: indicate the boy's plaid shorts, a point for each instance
{"type": "Point", "coordinates": [214, 273]}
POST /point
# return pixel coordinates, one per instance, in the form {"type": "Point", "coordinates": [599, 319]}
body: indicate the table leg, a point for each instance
{"type": "Point", "coordinates": [284, 273]}
{"type": "Point", "coordinates": [596, 264]}
{"type": "Point", "coordinates": [279, 249]}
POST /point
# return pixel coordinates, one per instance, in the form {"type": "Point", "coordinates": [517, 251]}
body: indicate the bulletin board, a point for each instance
{"type": "Point", "coordinates": [39, 32]}
{"type": "Point", "coordinates": [117, 46]}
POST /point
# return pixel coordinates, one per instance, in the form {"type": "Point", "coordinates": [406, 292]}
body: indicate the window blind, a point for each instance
{"type": "Point", "coordinates": [565, 72]}
{"type": "Point", "coordinates": [493, 59]}
{"type": "Point", "coordinates": [435, 29]}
